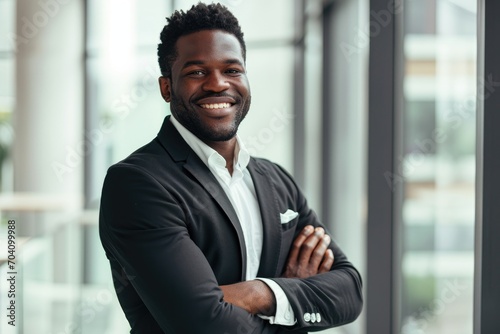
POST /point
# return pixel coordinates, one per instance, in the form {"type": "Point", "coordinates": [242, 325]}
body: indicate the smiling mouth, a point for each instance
{"type": "Point", "coordinates": [215, 105]}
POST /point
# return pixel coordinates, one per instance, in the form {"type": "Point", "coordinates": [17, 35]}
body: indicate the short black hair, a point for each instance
{"type": "Point", "coordinates": [199, 17]}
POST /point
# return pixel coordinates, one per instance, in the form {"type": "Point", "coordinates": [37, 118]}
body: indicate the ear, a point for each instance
{"type": "Point", "coordinates": [165, 87]}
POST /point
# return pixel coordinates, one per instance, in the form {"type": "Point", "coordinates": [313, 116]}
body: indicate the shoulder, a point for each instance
{"type": "Point", "coordinates": [147, 159]}
{"type": "Point", "coordinates": [143, 155]}
{"type": "Point", "coordinates": [138, 165]}
{"type": "Point", "coordinates": [138, 170]}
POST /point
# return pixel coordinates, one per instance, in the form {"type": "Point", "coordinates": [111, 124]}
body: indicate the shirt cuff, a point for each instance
{"type": "Point", "coordinates": [284, 312]}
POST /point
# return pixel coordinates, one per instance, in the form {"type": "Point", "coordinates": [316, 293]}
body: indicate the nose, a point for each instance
{"type": "Point", "coordinates": [215, 82]}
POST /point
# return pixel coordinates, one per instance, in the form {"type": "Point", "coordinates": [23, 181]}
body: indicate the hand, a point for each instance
{"type": "Point", "coordinates": [254, 296]}
{"type": "Point", "coordinates": [309, 254]}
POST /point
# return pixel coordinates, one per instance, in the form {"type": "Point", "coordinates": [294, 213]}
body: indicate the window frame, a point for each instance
{"type": "Point", "coordinates": [487, 271]}
{"type": "Point", "coordinates": [383, 235]}
{"type": "Point", "coordinates": [384, 198]}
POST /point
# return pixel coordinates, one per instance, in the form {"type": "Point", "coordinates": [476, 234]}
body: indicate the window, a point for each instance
{"type": "Point", "coordinates": [124, 107]}
{"type": "Point", "coordinates": [437, 166]}
{"type": "Point", "coordinates": [422, 139]}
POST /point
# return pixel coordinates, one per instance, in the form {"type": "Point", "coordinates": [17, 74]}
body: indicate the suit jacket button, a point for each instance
{"type": "Point", "coordinates": [318, 317]}
{"type": "Point", "coordinates": [307, 317]}
{"type": "Point", "coordinates": [313, 317]}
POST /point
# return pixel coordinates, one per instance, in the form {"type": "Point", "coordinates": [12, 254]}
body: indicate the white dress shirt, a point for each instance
{"type": "Point", "coordinates": [240, 190]}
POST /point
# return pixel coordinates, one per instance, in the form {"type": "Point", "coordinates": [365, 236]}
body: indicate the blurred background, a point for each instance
{"type": "Point", "coordinates": [78, 92]}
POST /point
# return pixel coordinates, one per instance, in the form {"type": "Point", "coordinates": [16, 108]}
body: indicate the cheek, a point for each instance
{"type": "Point", "coordinates": [244, 88]}
{"type": "Point", "coordinates": [184, 90]}
{"type": "Point", "coordinates": [192, 89]}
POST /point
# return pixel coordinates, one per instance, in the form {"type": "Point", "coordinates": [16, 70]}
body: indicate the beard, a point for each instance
{"type": "Point", "coordinates": [189, 117]}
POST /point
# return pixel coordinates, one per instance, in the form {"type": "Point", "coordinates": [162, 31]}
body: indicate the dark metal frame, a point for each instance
{"type": "Point", "coordinates": [487, 270]}
{"type": "Point", "coordinates": [299, 92]}
{"type": "Point", "coordinates": [89, 118]}
{"type": "Point", "coordinates": [327, 111]}
{"type": "Point", "coordinates": [383, 237]}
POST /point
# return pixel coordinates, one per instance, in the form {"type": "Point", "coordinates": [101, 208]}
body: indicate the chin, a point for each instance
{"type": "Point", "coordinates": [224, 136]}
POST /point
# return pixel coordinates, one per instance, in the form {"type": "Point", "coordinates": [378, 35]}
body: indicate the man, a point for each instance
{"type": "Point", "coordinates": [201, 237]}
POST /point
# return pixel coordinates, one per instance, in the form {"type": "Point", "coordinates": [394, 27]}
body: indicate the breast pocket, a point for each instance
{"type": "Point", "coordinates": [288, 219]}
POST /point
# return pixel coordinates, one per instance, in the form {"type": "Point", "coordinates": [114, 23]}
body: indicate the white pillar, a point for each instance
{"type": "Point", "coordinates": [48, 117]}
{"type": "Point", "coordinates": [48, 132]}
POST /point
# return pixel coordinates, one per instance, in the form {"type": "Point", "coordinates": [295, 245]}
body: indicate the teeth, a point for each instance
{"type": "Point", "coordinates": [216, 105]}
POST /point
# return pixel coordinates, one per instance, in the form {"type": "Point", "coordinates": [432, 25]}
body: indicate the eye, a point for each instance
{"type": "Point", "coordinates": [196, 73]}
{"type": "Point", "coordinates": [234, 71]}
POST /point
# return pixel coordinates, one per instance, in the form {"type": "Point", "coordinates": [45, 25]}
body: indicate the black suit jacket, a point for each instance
{"type": "Point", "coordinates": [172, 237]}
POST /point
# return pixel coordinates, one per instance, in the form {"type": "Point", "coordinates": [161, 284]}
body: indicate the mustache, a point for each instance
{"type": "Point", "coordinates": [223, 94]}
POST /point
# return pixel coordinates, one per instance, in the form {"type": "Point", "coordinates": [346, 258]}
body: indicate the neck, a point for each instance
{"type": "Point", "coordinates": [226, 149]}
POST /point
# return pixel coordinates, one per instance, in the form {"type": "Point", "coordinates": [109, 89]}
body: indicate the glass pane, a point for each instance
{"type": "Point", "coordinates": [123, 86]}
{"type": "Point", "coordinates": [126, 110]}
{"type": "Point", "coordinates": [6, 130]}
{"type": "Point", "coordinates": [7, 86]}
{"type": "Point", "coordinates": [267, 131]}
{"type": "Point", "coordinates": [7, 25]}
{"type": "Point", "coordinates": [275, 18]}
{"type": "Point", "coordinates": [438, 166]}
{"type": "Point", "coordinates": [122, 26]}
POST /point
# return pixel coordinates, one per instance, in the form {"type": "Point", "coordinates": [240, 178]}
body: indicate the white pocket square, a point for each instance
{"type": "Point", "coordinates": [288, 216]}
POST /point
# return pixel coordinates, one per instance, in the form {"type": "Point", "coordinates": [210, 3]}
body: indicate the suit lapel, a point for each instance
{"type": "Point", "coordinates": [180, 151]}
{"type": "Point", "coordinates": [200, 171]}
{"type": "Point", "coordinates": [268, 203]}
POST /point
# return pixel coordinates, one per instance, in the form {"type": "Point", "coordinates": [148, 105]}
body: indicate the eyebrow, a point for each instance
{"type": "Point", "coordinates": [201, 62]}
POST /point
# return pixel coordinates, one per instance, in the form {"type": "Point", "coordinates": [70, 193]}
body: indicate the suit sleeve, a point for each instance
{"type": "Point", "coordinates": [144, 230]}
{"type": "Point", "coordinates": [334, 297]}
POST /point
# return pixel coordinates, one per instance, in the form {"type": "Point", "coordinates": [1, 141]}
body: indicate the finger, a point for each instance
{"type": "Point", "coordinates": [327, 262]}
{"type": "Point", "coordinates": [319, 252]}
{"type": "Point", "coordinates": [310, 245]}
{"type": "Point", "coordinates": [297, 243]}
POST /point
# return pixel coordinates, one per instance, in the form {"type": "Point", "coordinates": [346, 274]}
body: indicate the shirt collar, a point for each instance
{"type": "Point", "coordinates": [208, 155]}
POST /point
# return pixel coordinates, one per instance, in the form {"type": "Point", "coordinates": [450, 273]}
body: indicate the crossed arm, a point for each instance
{"type": "Point", "coordinates": [308, 256]}
{"type": "Point", "coordinates": [140, 220]}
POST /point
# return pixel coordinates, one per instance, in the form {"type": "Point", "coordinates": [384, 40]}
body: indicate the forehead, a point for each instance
{"type": "Point", "coordinates": [207, 45]}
